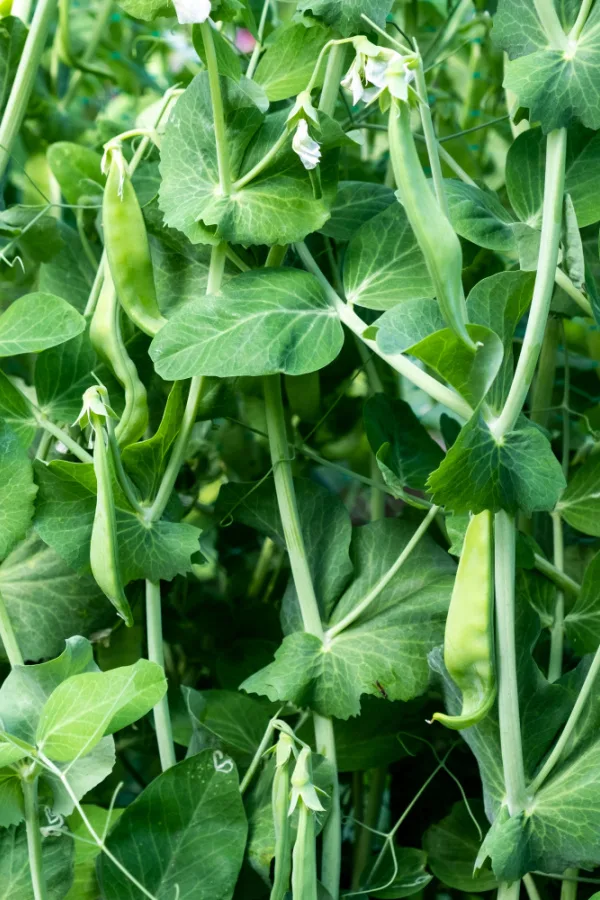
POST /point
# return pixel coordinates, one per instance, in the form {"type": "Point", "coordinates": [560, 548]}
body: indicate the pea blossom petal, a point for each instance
{"type": "Point", "coordinates": [307, 149]}
{"type": "Point", "coordinates": [189, 12]}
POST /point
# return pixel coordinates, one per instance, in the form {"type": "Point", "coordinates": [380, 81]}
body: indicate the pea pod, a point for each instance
{"type": "Point", "coordinates": [127, 249]}
{"type": "Point", "coordinates": [107, 341]}
{"type": "Point", "coordinates": [434, 233]}
{"type": "Point", "coordinates": [304, 856]}
{"type": "Point", "coordinates": [281, 820]}
{"type": "Point", "coordinates": [468, 642]}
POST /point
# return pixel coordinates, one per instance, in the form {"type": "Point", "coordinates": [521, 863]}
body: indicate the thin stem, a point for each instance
{"type": "Point", "coordinates": [456, 168]}
{"type": "Point", "coordinates": [531, 887]}
{"type": "Point", "coordinates": [385, 579]}
{"type": "Point", "coordinates": [162, 718]}
{"type": "Point", "coordinates": [29, 784]}
{"type": "Point", "coordinates": [262, 163]}
{"type": "Point", "coordinates": [365, 838]}
{"type": "Point", "coordinates": [331, 82]}
{"type": "Point", "coordinates": [331, 860]}
{"type": "Point", "coordinates": [568, 889]}
{"type": "Point", "coordinates": [558, 626]}
{"type": "Point", "coordinates": [508, 694]}
{"type": "Point", "coordinates": [564, 282]}
{"type": "Point", "coordinates": [8, 638]}
{"type": "Point", "coordinates": [64, 437]}
{"type": "Point", "coordinates": [92, 300]}
{"type": "Point", "coordinates": [565, 736]}
{"type": "Point", "coordinates": [397, 361]}
{"type": "Point", "coordinates": [562, 580]}
{"type": "Point", "coordinates": [582, 15]}
{"type": "Point", "coordinates": [101, 21]}
{"type": "Point", "coordinates": [260, 750]}
{"type": "Point", "coordinates": [433, 150]}
{"type": "Point", "coordinates": [256, 50]}
{"type": "Point", "coordinates": [29, 62]}
{"type": "Point", "coordinates": [550, 22]}
{"type": "Point", "coordinates": [543, 386]}
{"type": "Point", "coordinates": [122, 477]}
{"type": "Point", "coordinates": [544, 282]}
{"type": "Point", "coordinates": [218, 110]}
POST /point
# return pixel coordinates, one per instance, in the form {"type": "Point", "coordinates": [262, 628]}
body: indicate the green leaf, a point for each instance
{"type": "Point", "coordinates": [228, 60]}
{"type": "Point", "coordinates": [404, 873]}
{"type": "Point", "coordinates": [288, 62]}
{"type": "Point", "coordinates": [65, 515]}
{"type": "Point", "coordinates": [37, 321]}
{"type": "Point", "coordinates": [181, 272]}
{"type": "Point", "coordinates": [478, 473]}
{"type": "Point", "coordinates": [580, 503]}
{"type": "Point", "coordinates": [85, 884]}
{"type": "Point", "coordinates": [345, 15]}
{"type": "Point", "coordinates": [263, 322]}
{"type": "Point", "coordinates": [277, 207]}
{"type": "Point", "coordinates": [403, 326]}
{"type": "Point", "coordinates": [62, 374]}
{"type": "Point", "coordinates": [185, 834]}
{"type": "Point", "coordinates": [17, 490]}
{"type": "Point", "coordinates": [411, 453]}
{"type": "Point", "coordinates": [525, 165]}
{"type": "Point", "coordinates": [452, 847]}
{"type": "Point", "coordinates": [387, 644]}
{"type": "Point", "coordinates": [478, 216]}
{"type": "Point", "coordinates": [77, 170]}
{"type": "Point", "coordinates": [556, 86]}
{"type": "Point", "coordinates": [46, 601]}
{"type": "Point", "coordinates": [377, 737]}
{"type": "Point", "coordinates": [582, 622]}
{"type": "Point", "coordinates": [16, 412]}
{"type": "Point", "coordinates": [356, 202]}
{"type": "Point", "coordinates": [383, 264]}
{"type": "Point", "coordinates": [518, 29]}
{"type": "Point", "coordinates": [148, 10]}
{"type": "Point", "coordinates": [68, 274]}
{"type": "Point", "coordinates": [37, 237]}
{"type": "Point", "coordinates": [12, 38]}
{"type": "Point", "coordinates": [11, 798]}
{"type": "Point", "coordinates": [85, 708]}
{"type": "Point", "coordinates": [15, 869]}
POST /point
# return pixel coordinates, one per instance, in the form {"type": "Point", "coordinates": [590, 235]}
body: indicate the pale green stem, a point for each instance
{"type": "Point", "coordinates": [508, 694]}
{"type": "Point", "coordinates": [531, 887]}
{"type": "Point", "coordinates": [378, 495]}
{"type": "Point", "coordinates": [397, 361]}
{"type": "Point", "coordinates": [564, 282]}
{"type": "Point", "coordinates": [8, 638]}
{"type": "Point", "coordinates": [558, 626]}
{"type": "Point", "coordinates": [385, 579]}
{"type": "Point", "coordinates": [65, 438]}
{"type": "Point", "coordinates": [162, 717]}
{"type": "Point", "coordinates": [331, 83]}
{"type": "Point", "coordinates": [217, 106]}
{"type": "Point", "coordinates": [433, 149]}
{"type": "Point", "coordinates": [122, 477]}
{"type": "Point", "coordinates": [256, 50]}
{"type": "Point", "coordinates": [582, 15]}
{"type": "Point", "coordinates": [550, 22]}
{"type": "Point", "coordinates": [260, 750]}
{"type": "Point", "coordinates": [331, 860]}
{"type": "Point", "coordinates": [29, 784]}
{"type": "Point", "coordinates": [102, 18]}
{"type": "Point", "coordinates": [509, 891]}
{"type": "Point", "coordinates": [456, 168]}
{"type": "Point", "coordinates": [544, 283]}
{"type": "Point", "coordinates": [261, 570]}
{"type": "Point", "coordinates": [29, 62]}
{"type": "Point", "coordinates": [568, 889]}
{"type": "Point", "coordinates": [154, 512]}
{"type": "Point", "coordinates": [43, 447]}
{"type": "Point", "coordinates": [262, 164]}
{"type": "Point", "coordinates": [562, 580]}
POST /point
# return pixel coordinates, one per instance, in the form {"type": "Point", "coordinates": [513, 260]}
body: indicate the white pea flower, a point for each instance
{"type": "Point", "coordinates": [307, 149]}
{"type": "Point", "coordinates": [191, 11]}
{"type": "Point", "coordinates": [95, 403]}
{"type": "Point", "coordinates": [302, 783]}
{"type": "Point", "coordinates": [303, 109]}
{"type": "Point", "coordinates": [376, 69]}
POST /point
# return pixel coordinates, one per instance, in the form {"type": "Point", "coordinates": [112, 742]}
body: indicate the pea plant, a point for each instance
{"type": "Point", "coordinates": [299, 432]}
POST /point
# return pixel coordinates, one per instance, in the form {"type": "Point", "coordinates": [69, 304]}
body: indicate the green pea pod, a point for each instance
{"type": "Point", "coordinates": [104, 554]}
{"type": "Point", "coordinates": [304, 857]}
{"type": "Point", "coordinates": [283, 837]}
{"type": "Point", "coordinates": [434, 233]}
{"type": "Point", "coordinates": [107, 341]}
{"type": "Point", "coordinates": [468, 642]}
{"type": "Point", "coordinates": [127, 249]}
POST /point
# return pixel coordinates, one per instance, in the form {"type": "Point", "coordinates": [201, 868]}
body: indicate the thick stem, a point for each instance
{"type": "Point", "coordinates": [544, 282]}
{"type": "Point", "coordinates": [162, 718]}
{"type": "Point", "coordinates": [558, 626]}
{"type": "Point", "coordinates": [531, 888]}
{"type": "Point", "coordinates": [331, 83]}
{"type": "Point", "coordinates": [8, 638]}
{"type": "Point", "coordinates": [331, 861]}
{"type": "Point", "coordinates": [575, 32]}
{"type": "Point", "coordinates": [560, 579]}
{"type": "Point", "coordinates": [218, 110]}
{"type": "Point", "coordinates": [506, 659]}
{"type": "Point", "coordinates": [548, 17]}
{"type": "Point", "coordinates": [24, 79]}
{"type": "Point", "coordinates": [568, 889]}
{"type": "Point", "coordinates": [397, 361]}
{"type": "Point", "coordinates": [29, 784]}
{"type": "Point", "coordinates": [509, 891]}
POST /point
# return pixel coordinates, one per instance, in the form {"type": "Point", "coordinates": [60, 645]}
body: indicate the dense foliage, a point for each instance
{"type": "Point", "coordinates": [299, 481]}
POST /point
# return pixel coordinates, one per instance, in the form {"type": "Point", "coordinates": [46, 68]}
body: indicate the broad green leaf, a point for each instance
{"type": "Point", "coordinates": [403, 873]}
{"type": "Point", "coordinates": [387, 644]}
{"type": "Point", "coordinates": [47, 601]}
{"type": "Point", "coordinates": [68, 274]}
{"type": "Point", "coordinates": [411, 454]}
{"type": "Point", "coordinates": [479, 473]}
{"type": "Point", "coordinates": [77, 170]}
{"type": "Point", "coordinates": [582, 622]}
{"type": "Point", "coordinates": [525, 166]}
{"type": "Point", "coordinates": [580, 503]}
{"type": "Point", "coordinates": [383, 264]}
{"type": "Point", "coordinates": [378, 736]}
{"type": "Point", "coordinates": [288, 62]}
{"type": "Point", "coordinates": [85, 708]}
{"type": "Point", "coordinates": [15, 869]}
{"type": "Point", "coordinates": [62, 374]}
{"type": "Point", "coordinates": [148, 10]}
{"type": "Point", "coordinates": [16, 411]}
{"type": "Point", "coordinates": [263, 322]}
{"type": "Point", "coordinates": [37, 321]}
{"type": "Point", "coordinates": [518, 29]}
{"type": "Point", "coordinates": [452, 847]}
{"type": "Point", "coordinates": [11, 798]}
{"type": "Point", "coordinates": [65, 515]}
{"type": "Point", "coordinates": [345, 15]}
{"type": "Point", "coordinates": [184, 835]}
{"type": "Point", "coordinates": [12, 38]}
{"type": "Point", "coordinates": [85, 884]}
{"type": "Point", "coordinates": [499, 302]}
{"type": "Point", "coordinates": [478, 216]}
{"type": "Point", "coordinates": [556, 86]}
{"type": "Point", "coordinates": [181, 271]}
{"type": "Point", "coordinates": [277, 207]}
{"type": "Point", "coordinates": [404, 325]}
{"type": "Point", "coordinates": [36, 237]}
{"type": "Point", "coordinates": [356, 202]}
{"type": "Point", "coordinates": [17, 490]}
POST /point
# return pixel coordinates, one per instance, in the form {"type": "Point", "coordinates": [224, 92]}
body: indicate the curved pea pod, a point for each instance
{"type": "Point", "coordinates": [107, 341]}
{"type": "Point", "coordinates": [437, 239]}
{"type": "Point", "coordinates": [469, 638]}
{"type": "Point", "coordinates": [104, 554]}
{"type": "Point", "coordinates": [127, 249]}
